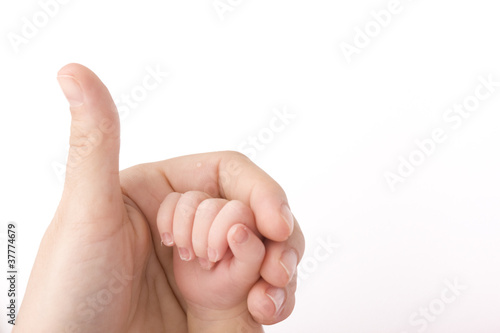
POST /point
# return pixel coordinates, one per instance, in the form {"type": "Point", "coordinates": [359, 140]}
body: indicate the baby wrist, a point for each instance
{"type": "Point", "coordinates": [244, 322]}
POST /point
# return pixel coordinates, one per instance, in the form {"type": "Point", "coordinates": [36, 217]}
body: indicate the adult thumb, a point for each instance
{"type": "Point", "coordinates": [92, 166]}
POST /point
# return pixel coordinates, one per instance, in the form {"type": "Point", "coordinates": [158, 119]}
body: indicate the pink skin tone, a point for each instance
{"type": "Point", "coordinates": [101, 265]}
{"type": "Point", "coordinates": [218, 253]}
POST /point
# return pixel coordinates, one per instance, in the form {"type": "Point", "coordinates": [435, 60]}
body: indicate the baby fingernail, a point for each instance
{"type": "Point", "coordinates": [277, 295]}
{"type": "Point", "coordinates": [289, 262]}
{"type": "Point", "coordinates": [184, 254]}
{"type": "Point", "coordinates": [212, 255]}
{"type": "Point", "coordinates": [167, 239]}
{"type": "Point", "coordinates": [204, 263]}
{"type": "Point", "coordinates": [287, 216]}
{"type": "Point", "coordinates": [240, 235]}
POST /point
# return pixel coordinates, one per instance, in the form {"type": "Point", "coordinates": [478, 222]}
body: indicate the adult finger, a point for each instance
{"type": "Point", "coordinates": [269, 304]}
{"type": "Point", "coordinates": [272, 299]}
{"type": "Point", "coordinates": [92, 168]}
{"type": "Point", "coordinates": [280, 264]}
{"type": "Point", "coordinates": [228, 175]}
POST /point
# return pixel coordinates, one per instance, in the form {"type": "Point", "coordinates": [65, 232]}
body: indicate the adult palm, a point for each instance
{"type": "Point", "coordinates": [101, 266]}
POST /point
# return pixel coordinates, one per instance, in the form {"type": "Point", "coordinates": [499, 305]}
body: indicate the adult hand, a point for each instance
{"type": "Point", "coordinates": [101, 266]}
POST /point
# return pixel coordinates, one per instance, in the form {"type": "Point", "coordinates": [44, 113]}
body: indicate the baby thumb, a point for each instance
{"type": "Point", "coordinates": [248, 251]}
{"type": "Point", "coordinates": [92, 166]}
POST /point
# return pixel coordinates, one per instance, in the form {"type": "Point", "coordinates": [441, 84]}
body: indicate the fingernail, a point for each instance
{"type": "Point", "coordinates": [167, 239]}
{"type": "Point", "coordinates": [240, 235]}
{"type": "Point", "coordinates": [71, 89]}
{"type": "Point", "coordinates": [204, 263]}
{"type": "Point", "coordinates": [286, 214]}
{"type": "Point", "coordinates": [184, 254]}
{"type": "Point", "coordinates": [289, 262]}
{"type": "Point", "coordinates": [277, 295]}
{"type": "Point", "coordinates": [212, 255]}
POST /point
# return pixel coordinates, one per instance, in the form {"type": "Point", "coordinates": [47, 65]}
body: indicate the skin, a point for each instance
{"type": "Point", "coordinates": [101, 266]}
{"type": "Point", "coordinates": [215, 289]}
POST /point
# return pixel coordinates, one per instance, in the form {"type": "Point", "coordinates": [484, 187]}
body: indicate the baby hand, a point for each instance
{"type": "Point", "coordinates": [222, 236]}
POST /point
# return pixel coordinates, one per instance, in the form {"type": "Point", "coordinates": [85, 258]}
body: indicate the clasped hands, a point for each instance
{"type": "Point", "coordinates": [199, 243]}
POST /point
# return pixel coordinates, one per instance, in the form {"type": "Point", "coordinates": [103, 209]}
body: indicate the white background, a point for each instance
{"type": "Point", "coordinates": [394, 250]}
